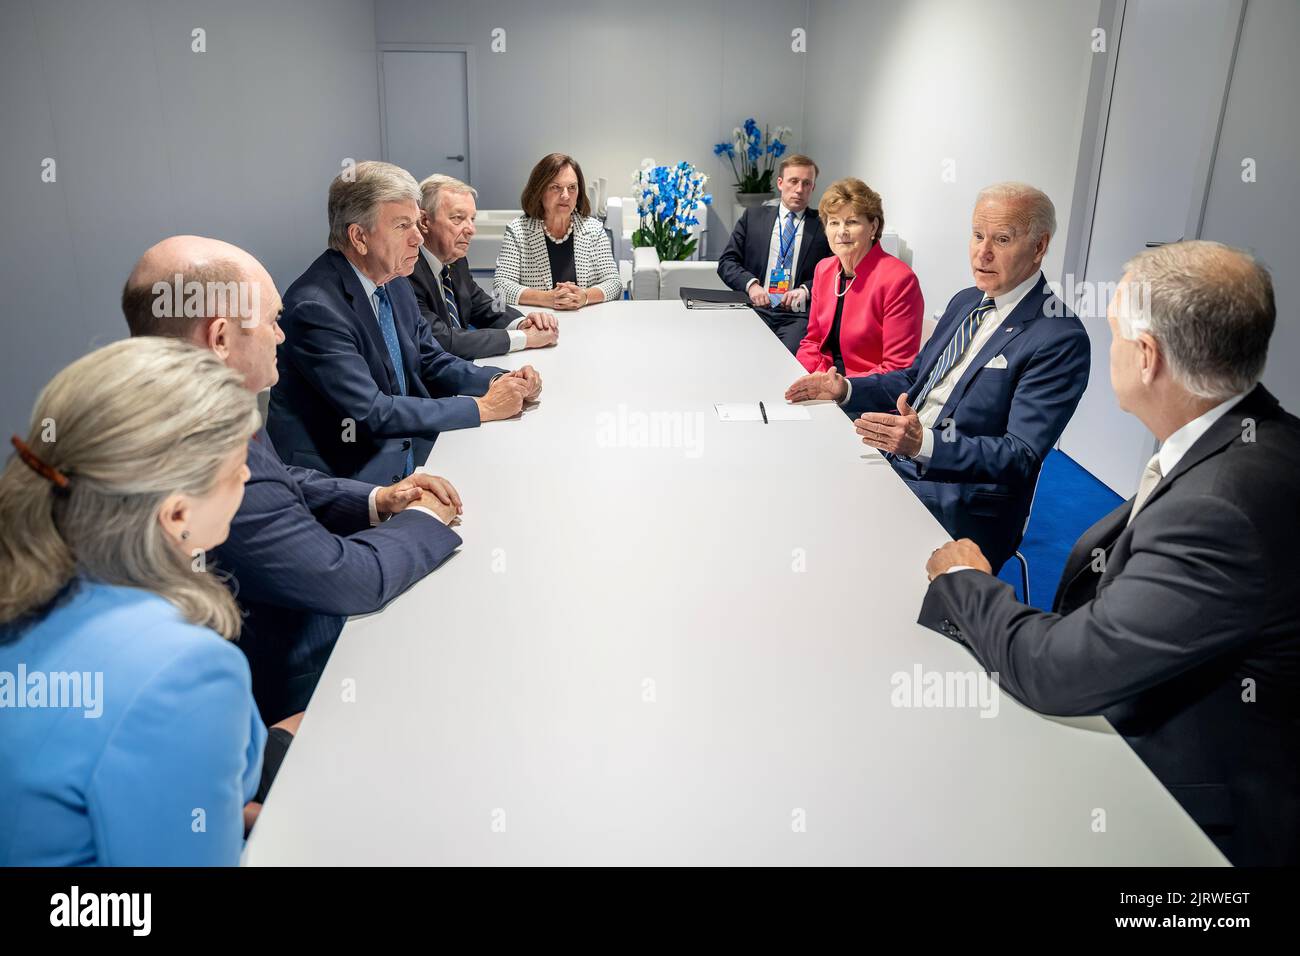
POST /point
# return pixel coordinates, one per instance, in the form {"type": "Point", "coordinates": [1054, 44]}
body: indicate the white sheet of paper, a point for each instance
{"type": "Point", "coordinates": [749, 412]}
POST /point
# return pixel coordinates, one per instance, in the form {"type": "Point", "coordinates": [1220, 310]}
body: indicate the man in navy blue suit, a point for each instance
{"type": "Point", "coordinates": [968, 425]}
{"type": "Point", "coordinates": [1174, 617]}
{"type": "Point", "coordinates": [365, 388]}
{"type": "Point", "coordinates": [305, 550]}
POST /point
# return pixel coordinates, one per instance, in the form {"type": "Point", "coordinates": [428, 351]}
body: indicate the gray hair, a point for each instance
{"type": "Point", "coordinates": [1040, 214]}
{"type": "Point", "coordinates": [356, 195]}
{"type": "Point", "coordinates": [1211, 309]}
{"type": "Point", "coordinates": [432, 188]}
{"type": "Point", "coordinates": [128, 425]}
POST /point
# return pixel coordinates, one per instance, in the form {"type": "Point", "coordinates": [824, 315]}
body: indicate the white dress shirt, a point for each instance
{"type": "Point", "coordinates": [518, 339]}
{"type": "Point", "coordinates": [774, 246]}
{"type": "Point", "coordinates": [1180, 442]}
{"type": "Point", "coordinates": [371, 289]}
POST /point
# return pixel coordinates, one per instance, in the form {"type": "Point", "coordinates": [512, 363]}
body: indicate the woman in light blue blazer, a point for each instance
{"type": "Point", "coordinates": [128, 733]}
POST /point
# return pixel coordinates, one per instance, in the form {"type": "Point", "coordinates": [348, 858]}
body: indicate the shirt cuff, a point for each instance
{"type": "Point", "coordinates": [374, 510]}
{"type": "Point", "coordinates": [922, 457]}
{"type": "Point", "coordinates": [959, 567]}
{"type": "Point", "coordinates": [515, 324]}
{"type": "Point", "coordinates": [518, 340]}
{"type": "Point", "coordinates": [749, 283]}
{"type": "Point", "coordinates": [848, 391]}
{"type": "Point", "coordinates": [423, 509]}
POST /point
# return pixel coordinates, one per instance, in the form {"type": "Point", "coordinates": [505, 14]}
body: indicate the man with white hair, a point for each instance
{"type": "Point", "coordinates": [1176, 616]}
{"type": "Point", "coordinates": [364, 388]}
{"type": "Point", "coordinates": [968, 425]}
{"type": "Point", "coordinates": [465, 320]}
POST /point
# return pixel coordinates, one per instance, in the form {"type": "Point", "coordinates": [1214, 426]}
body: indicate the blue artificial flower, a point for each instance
{"type": "Point", "coordinates": [670, 196]}
{"type": "Point", "coordinates": [778, 148]}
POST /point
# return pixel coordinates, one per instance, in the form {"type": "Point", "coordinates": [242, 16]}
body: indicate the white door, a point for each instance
{"type": "Point", "coordinates": [1169, 79]}
{"type": "Point", "coordinates": [426, 111]}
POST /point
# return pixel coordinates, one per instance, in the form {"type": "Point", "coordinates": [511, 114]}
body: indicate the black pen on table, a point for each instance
{"type": "Point", "coordinates": [762, 411]}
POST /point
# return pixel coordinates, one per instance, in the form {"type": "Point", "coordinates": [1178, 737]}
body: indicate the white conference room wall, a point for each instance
{"type": "Point", "coordinates": [614, 83]}
{"type": "Point", "coordinates": [150, 139]}
{"type": "Point", "coordinates": [896, 91]}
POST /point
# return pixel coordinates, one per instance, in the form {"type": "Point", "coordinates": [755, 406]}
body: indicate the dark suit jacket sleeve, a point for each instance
{"type": "Point", "coordinates": [1045, 397]}
{"type": "Point", "coordinates": [465, 343]}
{"type": "Point", "coordinates": [731, 264]}
{"type": "Point", "coordinates": [341, 504]}
{"type": "Point", "coordinates": [327, 356]}
{"type": "Point", "coordinates": [443, 371]}
{"type": "Point", "coordinates": [289, 559]}
{"type": "Point", "coordinates": [483, 314]}
{"type": "Point", "coordinates": [489, 339]}
{"type": "Point", "coordinates": [879, 393]}
{"type": "Point", "coordinates": [1189, 590]}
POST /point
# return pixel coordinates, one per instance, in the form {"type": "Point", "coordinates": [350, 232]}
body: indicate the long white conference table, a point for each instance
{"type": "Point", "coordinates": [673, 640]}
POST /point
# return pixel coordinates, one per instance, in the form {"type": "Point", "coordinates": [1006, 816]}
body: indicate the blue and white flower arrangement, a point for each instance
{"type": "Point", "coordinates": [758, 151]}
{"type": "Point", "coordinates": [668, 199]}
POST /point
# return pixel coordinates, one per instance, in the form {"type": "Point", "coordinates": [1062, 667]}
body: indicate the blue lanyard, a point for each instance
{"type": "Point", "coordinates": [785, 245]}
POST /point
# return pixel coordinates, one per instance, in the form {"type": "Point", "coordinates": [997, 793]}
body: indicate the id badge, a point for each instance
{"type": "Point", "coordinates": [778, 285]}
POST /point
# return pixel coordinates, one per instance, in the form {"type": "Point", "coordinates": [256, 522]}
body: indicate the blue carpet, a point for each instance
{"type": "Point", "coordinates": [1069, 502]}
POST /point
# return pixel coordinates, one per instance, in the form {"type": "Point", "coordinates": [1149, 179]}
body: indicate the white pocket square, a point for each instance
{"type": "Point", "coordinates": [998, 361]}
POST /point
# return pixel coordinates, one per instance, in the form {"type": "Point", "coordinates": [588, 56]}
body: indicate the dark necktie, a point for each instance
{"type": "Point", "coordinates": [449, 294]}
{"type": "Point", "coordinates": [957, 347]}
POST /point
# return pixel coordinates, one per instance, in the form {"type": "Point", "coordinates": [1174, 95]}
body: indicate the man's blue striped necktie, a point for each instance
{"type": "Point", "coordinates": [389, 329]}
{"type": "Point", "coordinates": [449, 294]}
{"type": "Point", "coordinates": [957, 347]}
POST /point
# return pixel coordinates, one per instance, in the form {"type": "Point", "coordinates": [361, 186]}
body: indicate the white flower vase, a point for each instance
{"type": "Point", "coordinates": [750, 200]}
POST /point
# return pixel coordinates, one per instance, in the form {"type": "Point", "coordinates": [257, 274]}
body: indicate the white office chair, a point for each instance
{"type": "Point", "coordinates": [645, 274]}
{"type": "Point", "coordinates": [621, 221]}
{"type": "Point", "coordinates": [652, 279]}
{"type": "Point", "coordinates": [491, 225]}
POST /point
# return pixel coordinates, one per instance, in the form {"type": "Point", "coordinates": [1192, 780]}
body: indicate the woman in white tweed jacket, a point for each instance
{"type": "Point", "coordinates": [556, 255]}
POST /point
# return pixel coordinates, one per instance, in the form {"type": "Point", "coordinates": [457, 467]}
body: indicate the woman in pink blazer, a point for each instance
{"type": "Point", "coordinates": [865, 311]}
